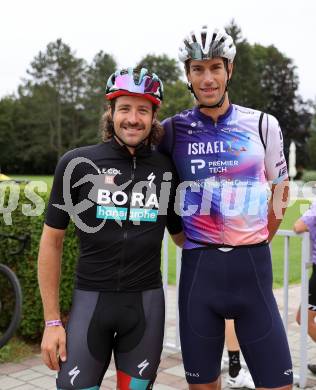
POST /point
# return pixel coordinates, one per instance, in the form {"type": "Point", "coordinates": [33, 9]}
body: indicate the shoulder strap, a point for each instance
{"type": "Point", "coordinates": [173, 136]}
{"type": "Point", "coordinates": [260, 130]}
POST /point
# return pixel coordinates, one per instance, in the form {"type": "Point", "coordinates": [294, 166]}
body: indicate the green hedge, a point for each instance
{"type": "Point", "coordinates": [309, 176]}
{"type": "Point", "coordinates": [25, 265]}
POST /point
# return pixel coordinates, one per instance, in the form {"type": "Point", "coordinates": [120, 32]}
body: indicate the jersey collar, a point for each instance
{"type": "Point", "coordinates": [142, 150]}
{"type": "Point", "coordinates": [221, 118]}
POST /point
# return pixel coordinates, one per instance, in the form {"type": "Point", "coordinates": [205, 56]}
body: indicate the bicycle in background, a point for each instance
{"type": "Point", "coordinates": [10, 290]}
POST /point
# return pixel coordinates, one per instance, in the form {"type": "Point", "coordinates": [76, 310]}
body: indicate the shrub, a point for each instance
{"type": "Point", "coordinates": [25, 264]}
{"type": "Point", "coordinates": [309, 176]}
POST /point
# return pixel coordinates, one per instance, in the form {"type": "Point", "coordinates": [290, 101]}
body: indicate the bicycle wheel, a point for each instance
{"type": "Point", "coordinates": [10, 303]}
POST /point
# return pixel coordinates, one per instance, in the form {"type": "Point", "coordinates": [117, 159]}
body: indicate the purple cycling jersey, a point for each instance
{"type": "Point", "coordinates": [225, 168]}
{"type": "Point", "coordinates": [309, 218]}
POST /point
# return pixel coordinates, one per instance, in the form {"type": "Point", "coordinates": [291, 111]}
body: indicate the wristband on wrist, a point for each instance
{"type": "Point", "coordinates": [53, 323]}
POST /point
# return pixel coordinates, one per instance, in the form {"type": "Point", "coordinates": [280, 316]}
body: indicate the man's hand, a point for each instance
{"type": "Point", "coordinates": [54, 346]}
{"type": "Point", "coordinates": [178, 239]}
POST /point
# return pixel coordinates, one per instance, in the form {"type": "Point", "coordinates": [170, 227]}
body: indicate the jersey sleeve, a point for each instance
{"type": "Point", "coordinates": [309, 217]}
{"type": "Point", "coordinates": [56, 216]}
{"type": "Point", "coordinates": [275, 163]}
{"type": "Point", "coordinates": [166, 144]}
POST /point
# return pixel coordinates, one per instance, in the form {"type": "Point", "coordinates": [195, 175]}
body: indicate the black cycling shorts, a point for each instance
{"type": "Point", "coordinates": [131, 324]}
{"type": "Point", "coordinates": [236, 284]}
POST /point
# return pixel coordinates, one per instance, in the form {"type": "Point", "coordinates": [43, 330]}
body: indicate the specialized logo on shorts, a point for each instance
{"type": "Point", "coordinates": [73, 373]}
{"type": "Point", "coordinates": [288, 372]}
{"type": "Point", "coordinates": [142, 366]}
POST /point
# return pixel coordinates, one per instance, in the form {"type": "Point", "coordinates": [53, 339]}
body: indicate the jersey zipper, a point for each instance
{"type": "Point", "coordinates": [222, 222]}
{"type": "Point", "coordinates": [126, 223]}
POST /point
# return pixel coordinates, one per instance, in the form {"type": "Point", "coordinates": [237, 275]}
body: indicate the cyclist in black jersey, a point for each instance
{"type": "Point", "coordinates": [227, 156]}
{"type": "Point", "coordinates": [120, 195]}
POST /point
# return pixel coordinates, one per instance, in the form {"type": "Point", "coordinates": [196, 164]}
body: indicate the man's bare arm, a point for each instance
{"type": "Point", "coordinates": [49, 262]}
{"type": "Point", "coordinates": [277, 206]}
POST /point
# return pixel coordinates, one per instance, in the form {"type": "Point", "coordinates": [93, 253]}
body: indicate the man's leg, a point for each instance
{"type": "Point", "coordinates": [311, 322]}
{"type": "Point", "coordinates": [259, 327]}
{"type": "Point", "coordinates": [82, 370]}
{"type": "Point", "coordinates": [202, 329]}
{"type": "Point", "coordinates": [311, 306]}
{"type": "Point", "coordinates": [237, 377]}
{"type": "Point", "coordinates": [139, 343]}
{"type": "Point", "coordinates": [232, 348]}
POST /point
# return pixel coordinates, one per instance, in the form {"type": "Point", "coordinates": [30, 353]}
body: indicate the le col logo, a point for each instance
{"type": "Point", "coordinates": [109, 171]}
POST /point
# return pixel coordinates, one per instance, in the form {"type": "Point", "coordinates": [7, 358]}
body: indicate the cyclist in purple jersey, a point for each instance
{"type": "Point", "coordinates": [226, 157]}
{"type": "Point", "coordinates": [307, 223]}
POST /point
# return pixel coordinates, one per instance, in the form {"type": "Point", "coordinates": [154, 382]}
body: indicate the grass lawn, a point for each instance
{"type": "Point", "coordinates": [46, 178]}
{"type": "Point", "coordinates": [292, 214]}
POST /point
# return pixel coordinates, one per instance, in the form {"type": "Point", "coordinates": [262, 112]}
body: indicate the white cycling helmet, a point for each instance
{"type": "Point", "coordinates": [205, 44]}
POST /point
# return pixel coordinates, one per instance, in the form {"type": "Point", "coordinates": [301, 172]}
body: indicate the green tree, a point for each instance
{"type": "Point", "coordinates": [58, 83]}
{"type": "Point", "coordinates": [8, 107]}
{"type": "Point", "coordinates": [103, 65]}
{"type": "Point", "coordinates": [244, 86]}
{"type": "Point", "coordinates": [176, 99]}
{"type": "Point", "coordinates": [166, 68]}
{"type": "Point", "coordinates": [265, 79]}
{"type": "Point", "coordinates": [311, 140]}
{"type": "Point", "coordinates": [279, 90]}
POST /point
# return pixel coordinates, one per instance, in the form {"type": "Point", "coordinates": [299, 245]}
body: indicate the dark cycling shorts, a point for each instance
{"type": "Point", "coordinates": [129, 324]}
{"type": "Point", "coordinates": [236, 284]}
{"type": "Point", "coordinates": [312, 290]}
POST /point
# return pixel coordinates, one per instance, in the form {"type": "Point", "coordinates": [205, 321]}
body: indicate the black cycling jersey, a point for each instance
{"type": "Point", "coordinates": [120, 204]}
